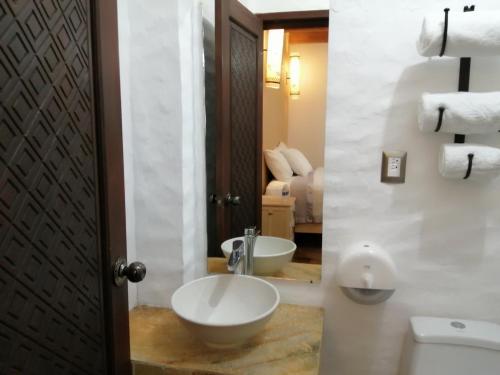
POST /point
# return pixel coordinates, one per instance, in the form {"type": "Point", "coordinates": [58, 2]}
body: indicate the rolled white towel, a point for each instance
{"type": "Point", "coordinates": [469, 34]}
{"type": "Point", "coordinates": [463, 112]}
{"type": "Point", "coordinates": [454, 160]}
{"type": "Point", "coordinates": [278, 188]}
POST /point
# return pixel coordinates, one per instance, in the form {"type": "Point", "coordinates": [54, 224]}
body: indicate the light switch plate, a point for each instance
{"type": "Point", "coordinates": [393, 167]}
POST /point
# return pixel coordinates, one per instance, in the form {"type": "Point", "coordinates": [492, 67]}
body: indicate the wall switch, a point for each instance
{"type": "Point", "coordinates": [393, 167]}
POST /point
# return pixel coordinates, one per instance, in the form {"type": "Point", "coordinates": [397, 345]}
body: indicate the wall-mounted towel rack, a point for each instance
{"type": "Point", "coordinates": [469, 167]}
{"type": "Point", "coordinates": [464, 76]}
{"type": "Point", "coordinates": [460, 109]}
{"type": "Point", "coordinates": [445, 32]}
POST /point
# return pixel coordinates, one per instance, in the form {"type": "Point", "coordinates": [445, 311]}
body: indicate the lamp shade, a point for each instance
{"type": "Point", "coordinates": [275, 40]}
{"type": "Point", "coordinates": [294, 67]}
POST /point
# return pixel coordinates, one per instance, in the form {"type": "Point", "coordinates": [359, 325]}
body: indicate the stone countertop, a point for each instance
{"type": "Point", "coordinates": [292, 271]}
{"type": "Point", "coordinates": [290, 344]}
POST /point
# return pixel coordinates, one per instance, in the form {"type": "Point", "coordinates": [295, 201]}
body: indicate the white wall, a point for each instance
{"type": "Point", "coordinates": [307, 113]}
{"type": "Point", "coordinates": [194, 239]}
{"type": "Point", "coordinates": [154, 109]}
{"type": "Point", "coordinates": [208, 9]}
{"type": "Point", "coordinates": [300, 122]}
{"type": "Point", "coordinates": [271, 6]}
{"type": "Point", "coordinates": [274, 116]}
{"type": "Point", "coordinates": [442, 234]}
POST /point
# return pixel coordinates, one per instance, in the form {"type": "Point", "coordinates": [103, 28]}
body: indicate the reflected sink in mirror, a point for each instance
{"type": "Point", "coordinates": [225, 311]}
{"type": "Point", "coordinates": [271, 254]}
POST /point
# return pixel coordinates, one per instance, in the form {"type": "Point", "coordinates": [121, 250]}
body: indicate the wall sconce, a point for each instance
{"type": "Point", "coordinates": [294, 67]}
{"type": "Point", "coordinates": [275, 38]}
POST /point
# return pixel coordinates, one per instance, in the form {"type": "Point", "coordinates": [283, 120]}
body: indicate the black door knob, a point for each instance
{"type": "Point", "coordinates": [134, 272]}
{"type": "Point", "coordinates": [215, 199]}
{"type": "Point", "coordinates": [233, 200]}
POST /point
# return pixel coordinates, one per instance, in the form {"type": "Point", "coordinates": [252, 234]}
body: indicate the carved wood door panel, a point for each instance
{"type": "Point", "coordinates": [54, 313]}
{"type": "Point", "coordinates": [239, 117]}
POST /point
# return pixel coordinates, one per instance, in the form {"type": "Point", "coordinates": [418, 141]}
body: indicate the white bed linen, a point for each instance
{"type": "Point", "coordinates": [308, 193]}
{"type": "Point", "coordinates": [317, 189]}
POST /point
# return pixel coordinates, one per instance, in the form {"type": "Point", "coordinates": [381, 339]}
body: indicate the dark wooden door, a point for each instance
{"type": "Point", "coordinates": [239, 116]}
{"type": "Point", "coordinates": [61, 189]}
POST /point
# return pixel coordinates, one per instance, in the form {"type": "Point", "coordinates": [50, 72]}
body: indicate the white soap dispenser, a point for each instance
{"type": "Point", "coordinates": [366, 273]}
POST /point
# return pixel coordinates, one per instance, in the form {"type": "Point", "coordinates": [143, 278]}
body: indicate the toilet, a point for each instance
{"type": "Point", "coordinates": [442, 346]}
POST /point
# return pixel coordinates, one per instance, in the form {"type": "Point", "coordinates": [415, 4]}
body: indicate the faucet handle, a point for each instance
{"type": "Point", "coordinates": [237, 244]}
{"type": "Point", "coordinates": [236, 255]}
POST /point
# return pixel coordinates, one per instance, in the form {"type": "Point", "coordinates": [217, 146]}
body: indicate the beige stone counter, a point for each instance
{"type": "Point", "coordinates": [292, 271]}
{"type": "Point", "coordinates": [290, 344]}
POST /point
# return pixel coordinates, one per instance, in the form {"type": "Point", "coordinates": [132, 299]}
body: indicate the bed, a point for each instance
{"type": "Point", "coordinates": [308, 193]}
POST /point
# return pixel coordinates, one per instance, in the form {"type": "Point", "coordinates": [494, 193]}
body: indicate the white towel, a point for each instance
{"type": "Point", "coordinates": [470, 34]}
{"type": "Point", "coordinates": [464, 112]}
{"type": "Point", "coordinates": [278, 188]}
{"type": "Point", "coordinates": [454, 159]}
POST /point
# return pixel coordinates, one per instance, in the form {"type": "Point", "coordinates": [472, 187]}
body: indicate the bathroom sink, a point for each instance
{"type": "Point", "coordinates": [271, 254]}
{"type": "Point", "coordinates": [225, 311]}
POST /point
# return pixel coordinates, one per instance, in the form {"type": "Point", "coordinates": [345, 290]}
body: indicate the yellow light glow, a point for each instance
{"type": "Point", "coordinates": [275, 39]}
{"type": "Point", "coordinates": [294, 66]}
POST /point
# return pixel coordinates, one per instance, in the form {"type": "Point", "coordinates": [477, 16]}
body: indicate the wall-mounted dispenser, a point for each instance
{"type": "Point", "coordinates": [366, 274]}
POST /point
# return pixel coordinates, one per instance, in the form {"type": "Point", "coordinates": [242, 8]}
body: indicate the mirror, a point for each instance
{"type": "Point", "coordinates": [265, 99]}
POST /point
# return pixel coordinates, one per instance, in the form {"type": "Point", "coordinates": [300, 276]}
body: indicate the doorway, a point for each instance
{"type": "Point", "coordinates": [294, 114]}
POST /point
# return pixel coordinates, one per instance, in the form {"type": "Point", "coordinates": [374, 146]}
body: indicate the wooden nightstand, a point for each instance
{"type": "Point", "coordinates": [278, 216]}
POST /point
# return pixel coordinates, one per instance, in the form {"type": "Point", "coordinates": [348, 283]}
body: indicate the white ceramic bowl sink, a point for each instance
{"type": "Point", "coordinates": [225, 310]}
{"type": "Point", "coordinates": [271, 254]}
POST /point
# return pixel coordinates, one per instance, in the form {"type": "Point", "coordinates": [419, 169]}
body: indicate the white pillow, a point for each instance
{"type": "Point", "coordinates": [298, 162]}
{"type": "Point", "coordinates": [278, 165]}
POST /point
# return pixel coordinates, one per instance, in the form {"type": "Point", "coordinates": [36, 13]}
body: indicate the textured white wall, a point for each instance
{"type": "Point", "coordinates": [443, 235]}
{"type": "Point", "coordinates": [208, 9]}
{"type": "Point", "coordinates": [163, 126]}
{"type": "Point", "coordinates": [154, 107]}
{"type": "Point", "coordinates": [271, 6]}
{"type": "Point", "coordinates": [194, 238]}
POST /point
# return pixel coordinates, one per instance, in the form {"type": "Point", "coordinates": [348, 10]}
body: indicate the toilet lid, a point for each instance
{"type": "Point", "coordinates": [456, 332]}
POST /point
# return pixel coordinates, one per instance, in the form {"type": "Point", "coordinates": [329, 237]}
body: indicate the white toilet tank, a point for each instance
{"type": "Point", "coordinates": [441, 346]}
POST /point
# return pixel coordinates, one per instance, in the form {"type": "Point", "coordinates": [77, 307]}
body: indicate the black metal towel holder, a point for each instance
{"type": "Point", "coordinates": [464, 77]}
{"type": "Point", "coordinates": [440, 120]}
{"type": "Point", "coordinates": [463, 82]}
{"type": "Point", "coordinates": [469, 167]}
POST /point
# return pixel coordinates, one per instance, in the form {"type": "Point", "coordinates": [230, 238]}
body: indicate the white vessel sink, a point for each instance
{"type": "Point", "coordinates": [271, 254]}
{"type": "Point", "coordinates": [225, 310]}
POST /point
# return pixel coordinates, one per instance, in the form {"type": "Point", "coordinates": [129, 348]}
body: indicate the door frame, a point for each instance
{"type": "Point", "coordinates": [226, 10]}
{"type": "Point", "coordinates": [295, 20]}
{"type": "Point", "coordinates": [106, 86]}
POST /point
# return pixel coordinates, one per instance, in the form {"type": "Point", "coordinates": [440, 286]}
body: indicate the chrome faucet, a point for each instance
{"type": "Point", "coordinates": [249, 245]}
{"type": "Point", "coordinates": [241, 258]}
